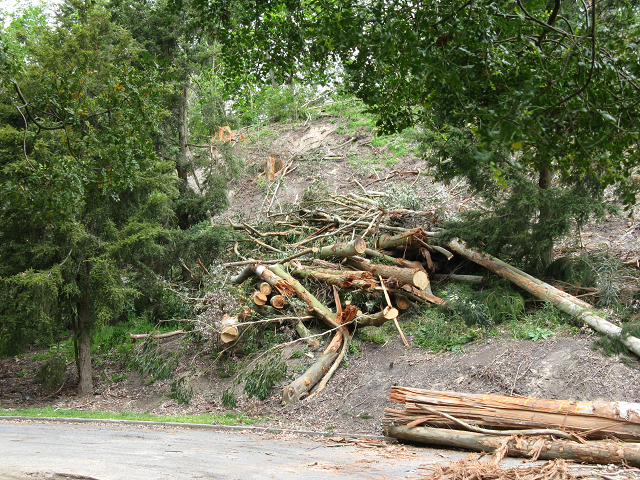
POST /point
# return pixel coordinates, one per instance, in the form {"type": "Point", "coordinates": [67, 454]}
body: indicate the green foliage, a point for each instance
{"type": "Point", "coordinates": [522, 218]}
{"type": "Point", "coordinates": [229, 399]}
{"type": "Point", "coordinates": [541, 323]}
{"type": "Point", "coordinates": [154, 361]}
{"type": "Point", "coordinates": [51, 373]}
{"type": "Point", "coordinates": [439, 332]}
{"type": "Point", "coordinates": [575, 270]}
{"type": "Point", "coordinates": [28, 308]}
{"type": "Point", "coordinates": [263, 376]}
{"type": "Point", "coordinates": [181, 391]}
{"type": "Point", "coordinates": [503, 304]}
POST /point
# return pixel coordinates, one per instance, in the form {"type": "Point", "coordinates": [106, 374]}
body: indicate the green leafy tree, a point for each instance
{"type": "Point", "coordinates": [509, 92]}
{"type": "Point", "coordinates": [542, 91]}
{"type": "Point", "coordinates": [84, 196]}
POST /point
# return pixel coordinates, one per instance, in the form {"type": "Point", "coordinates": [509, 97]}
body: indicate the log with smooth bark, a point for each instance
{"type": "Point", "coordinates": [400, 262]}
{"type": "Point", "coordinates": [302, 385]}
{"type": "Point", "coordinates": [411, 238]}
{"type": "Point", "coordinates": [343, 279]}
{"type": "Point", "coordinates": [588, 452]}
{"type": "Point", "coordinates": [377, 319]}
{"type": "Point", "coordinates": [306, 334]}
{"type": "Point", "coordinates": [355, 247]}
{"type": "Point", "coordinates": [565, 302]}
{"type": "Point", "coordinates": [420, 296]}
{"type": "Point", "coordinates": [407, 276]}
{"type": "Point", "coordinates": [471, 279]}
{"type": "Point", "coordinates": [328, 316]}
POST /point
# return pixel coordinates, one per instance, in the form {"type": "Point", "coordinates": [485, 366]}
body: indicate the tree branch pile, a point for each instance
{"type": "Point", "coordinates": [390, 264]}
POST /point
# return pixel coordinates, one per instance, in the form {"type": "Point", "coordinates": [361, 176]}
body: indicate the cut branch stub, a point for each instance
{"type": "Point", "coordinates": [277, 301]}
{"type": "Point", "coordinates": [377, 319]}
{"type": "Point", "coordinates": [259, 298]}
{"type": "Point", "coordinates": [265, 288]}
{"type": "Point", "coordinates": [355, 247]}
{"type": "Point", "coordinates": [228, 329]}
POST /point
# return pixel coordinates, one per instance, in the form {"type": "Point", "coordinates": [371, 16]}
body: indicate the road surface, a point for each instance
{"type": "Point", "coordinates": [56, 450]}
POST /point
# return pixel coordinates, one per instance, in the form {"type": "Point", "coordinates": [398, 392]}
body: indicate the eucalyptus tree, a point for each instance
{"type": "Point", "coordinates": [84, 196]}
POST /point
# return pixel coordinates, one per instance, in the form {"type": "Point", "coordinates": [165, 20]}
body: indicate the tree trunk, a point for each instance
{"type": "Point", "coordinates": [83, 348]}
{"type": "Point", "coordinates": [565, 302]}
{"type": "Point", "coordinates": [355, 247]}
{"type": "Point", "coordinates": [590, 452]}
{"type": "Point", "coordinates": [407, 276]}
{"type": "Point", "coordinates": [544, 182]}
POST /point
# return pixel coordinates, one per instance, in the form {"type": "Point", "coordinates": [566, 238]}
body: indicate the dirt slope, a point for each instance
{"type": "Point", "coordinates": [345, 159]}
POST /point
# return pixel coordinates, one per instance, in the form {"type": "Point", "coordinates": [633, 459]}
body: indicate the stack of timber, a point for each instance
{"type": "Point", "coordinates": [543, 428]}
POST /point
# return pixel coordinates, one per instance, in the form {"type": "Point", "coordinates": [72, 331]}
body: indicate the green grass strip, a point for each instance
{"type": "Point", "coordinates": [205, 418]}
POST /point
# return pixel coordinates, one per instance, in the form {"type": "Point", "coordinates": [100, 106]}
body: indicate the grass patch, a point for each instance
{"type": "Point", "coordinates": [443, 332]}
{"type": "Point", "coordinates": [205, 418]}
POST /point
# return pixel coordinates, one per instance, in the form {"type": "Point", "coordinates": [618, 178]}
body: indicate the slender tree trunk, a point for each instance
{"type": "Point", "coordinates": [544, 182]}
{"type": "Point", "coordinates": [83, 348]}
{"type": "Point", "coordinates": [181, 164]}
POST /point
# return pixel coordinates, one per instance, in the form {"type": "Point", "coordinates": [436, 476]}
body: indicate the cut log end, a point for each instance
{"type": "Point", "coordinates": [277, 301]}
{"type": "Point", "coordinates": [259, 298]}
{"type": "Point", "coordinates": [421, 279]}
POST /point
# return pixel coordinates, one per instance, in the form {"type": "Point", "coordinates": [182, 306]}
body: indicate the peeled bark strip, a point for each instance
{"type": "Point", "coordinates": [355, 247]}
{"type": "Point", "coordinates": [407, 276]}
{"type": "Point", "coordinates": [565, 302]}
{"type": "Point", "coordinates": [589, 452]}
{"type": "Point", "coordinates": [377, 319]}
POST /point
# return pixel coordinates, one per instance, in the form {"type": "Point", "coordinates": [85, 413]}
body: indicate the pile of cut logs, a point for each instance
{"type": "Point", "coordinates": [392, 263]}
{"type": "Point", "coordinates": [529, 427]}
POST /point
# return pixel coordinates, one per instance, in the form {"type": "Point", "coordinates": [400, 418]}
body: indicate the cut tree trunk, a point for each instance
{"type": "Point", "coordinates": [401, 301]}
{"type": "Point", "coordinates": [472, 279]}
{"type": "Point", "coordinates": [588, 419]}
{"type": "Point", "coordinates": [301, 386]}
{"type": "Point", "coordinates": [227, 329]}
{"type": "Point", "coordinates": [277, 301]}
{"type": "Point", "coordinates": [377, 319]}
{"type": "Point", "coordinates": [565, 302]}
{"type": "Point", "coordinates": [355, 247]}
{"type": "Point", "coordinates": [265, 288]}
{"type": "Point", "coordinates": [589, 452]}
{"type": "Point", "coordinates": [406, 276]}
{"type": "Point", "coordinates": [259, 298]}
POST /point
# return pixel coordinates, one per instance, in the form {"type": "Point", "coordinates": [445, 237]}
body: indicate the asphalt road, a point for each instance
{"type": "Point", "coordinates": [54, 450]}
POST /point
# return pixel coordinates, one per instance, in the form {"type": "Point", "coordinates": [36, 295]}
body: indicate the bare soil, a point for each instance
{"type": "Point", "coordinates": [560, 367]}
